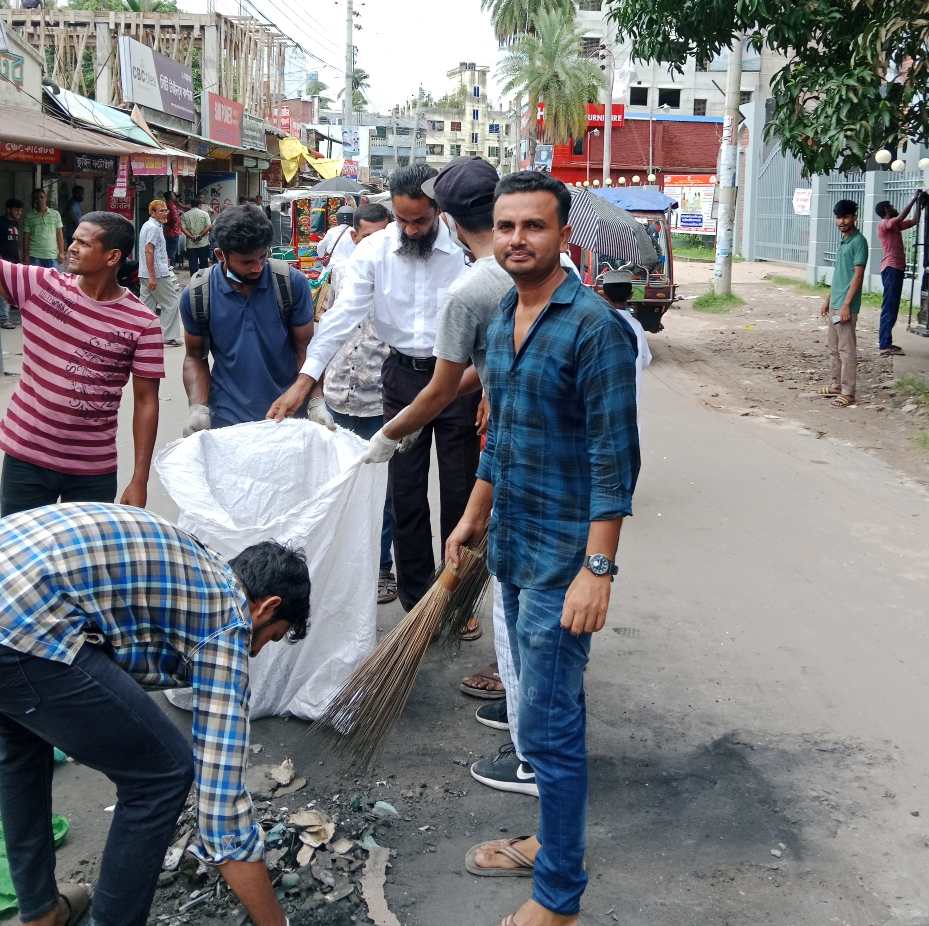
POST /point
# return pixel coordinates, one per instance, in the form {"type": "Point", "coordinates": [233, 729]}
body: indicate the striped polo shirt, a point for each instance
{"type": "Point", "coordinates": [77, 357]}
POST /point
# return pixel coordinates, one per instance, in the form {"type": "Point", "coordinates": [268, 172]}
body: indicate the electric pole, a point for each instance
{"type": "Point", "coordinates": [608, 63]}
{"type": "Point", "coordinates": [347, 119]}
{"type": "Point", "coordinates": [728, 161]}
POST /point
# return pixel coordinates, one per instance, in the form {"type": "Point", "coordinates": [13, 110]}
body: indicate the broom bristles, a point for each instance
{"type": "Point", "coordinates": [367, 705]}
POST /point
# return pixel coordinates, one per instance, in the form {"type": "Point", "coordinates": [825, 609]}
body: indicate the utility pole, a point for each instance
{"type": "Point", "coordinates": [728, 160]}
{"type": "Point", "coordinates": [347, 120]}
{"type": "Point", "coordinates": [610, 65]}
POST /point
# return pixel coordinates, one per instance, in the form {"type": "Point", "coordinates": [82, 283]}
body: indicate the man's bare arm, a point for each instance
{"type": "Point", "coordinates": [144, 432]}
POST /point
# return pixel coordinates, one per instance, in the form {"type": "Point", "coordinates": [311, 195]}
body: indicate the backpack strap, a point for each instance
{"type": "Point", "coordinates": [283, 289]}
{"type": "Point", "coordinates": [199, 290]}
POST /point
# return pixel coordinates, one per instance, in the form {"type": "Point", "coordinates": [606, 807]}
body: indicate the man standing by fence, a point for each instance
{"type": "Point", "coordinates": [893, 267]}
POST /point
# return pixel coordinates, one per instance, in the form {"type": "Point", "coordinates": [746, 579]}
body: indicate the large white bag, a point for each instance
{"type": "Point", "coordinates": [296, 482]}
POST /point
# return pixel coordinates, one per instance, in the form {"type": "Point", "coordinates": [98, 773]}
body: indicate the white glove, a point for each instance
{"type": "Point", "coordinates": [317, 412]}
{"type": "Point", "coordinates": [409, 440]}
{"type": "Point", "coordinates": [380, 448]}
{"type": "Point", "coordinates": [198, 419]}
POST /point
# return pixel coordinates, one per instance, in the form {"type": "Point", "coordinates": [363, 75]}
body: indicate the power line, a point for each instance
{"type": "Point", "coordinates": [320, 37]}
{"type": "Point", "coordinates": [286, 35]}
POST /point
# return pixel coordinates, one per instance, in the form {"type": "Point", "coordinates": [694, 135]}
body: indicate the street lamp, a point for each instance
{"type": "Point", "coordinates": [596, 182]}
{"type": "Point", "coordinates": [592, 132]}
{"type": "Point", "coordinates": [609, 180]}
{"type": "Point", "coordinates": [586, 184]}
{"type": "Point", "coordinates": [898, 166]}
{"type": "Point", "coordinates": [924, 163]}
{"type": "Point", "coordinates": [652, 178]}
{"type": "Point", "coordinates": [621, 181]}
{"type": "Point", "coordinates": [883, 156]}
{"type": "Point", "coordinates": [635, 178]}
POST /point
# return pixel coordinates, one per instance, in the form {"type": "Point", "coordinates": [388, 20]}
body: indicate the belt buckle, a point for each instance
{"type": "Point", "coordinates": [420, 365]}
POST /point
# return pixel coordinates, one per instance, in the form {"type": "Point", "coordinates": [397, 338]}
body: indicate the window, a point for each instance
{"type": "Point", "coordinates": [699, 107]}
{"type": "Point", "coordinates": [437, 125]}
{"type": "Point", "coordinates": [745, 96]}
{"type": "Point", "coordinates": [493, 152]}
{"type": "Point", "coordinates": [590, 45]}
{"type": "Point", "coordinates": [435, 150]}
{"type": "Point", "coordinates": [493, 128]}
{"type": "Point", "coordinates": [402, 131]}
{"type": "Point", "coordinates": [670, 98]}
{"type": "Point", "coordinates": [456, 126]}
{"type": "Point", "coordinates": [476, 115]}
{"type": "Point", "coordinates": [380, 131]}
{"type": "Point", "coordinates": [506, 129]}
{"type": "Point", "coordinates": [474, 138]}
{"type": "Point", "coordinates": [638, 96]}
{"type": "Point", "coordinates": [377, 162]}
{"type": "Point", "coordinates": [477, 92]}
{"type": "Point", "coordinates": [454, 151]}
{"type": "Point", "coordinates": [589, 6]}
{"type": "Point", "coordinates": [578, 145]}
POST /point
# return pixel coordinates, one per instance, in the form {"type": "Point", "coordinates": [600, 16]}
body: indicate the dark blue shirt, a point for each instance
{"type": "Point", "coordinates": [563, 445]}
{"type": "Point", "coordinates": [254, 360]}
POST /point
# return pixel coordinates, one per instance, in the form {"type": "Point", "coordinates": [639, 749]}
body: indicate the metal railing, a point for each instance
{"type": "Point", "coordinates": [842, 186]}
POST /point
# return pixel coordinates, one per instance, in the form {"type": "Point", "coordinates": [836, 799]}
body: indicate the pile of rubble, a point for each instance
{"type": "Point", "coordinates": [325, 863]}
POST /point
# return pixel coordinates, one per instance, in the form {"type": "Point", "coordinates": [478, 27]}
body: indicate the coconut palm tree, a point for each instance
{"type": "Point", "coordinates": [512, 18]}
{"type": "Point", "coordinates": [547, 66]}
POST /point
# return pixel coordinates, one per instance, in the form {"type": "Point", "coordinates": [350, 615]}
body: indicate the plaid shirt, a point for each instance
{"type": "Point", "coordinates": [563, 447]}
{"type": "Point", "coordinates": [170, 613]}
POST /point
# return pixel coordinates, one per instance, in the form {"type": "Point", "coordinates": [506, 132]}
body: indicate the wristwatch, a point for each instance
{"type": "Point", "coordinates": [601, 565]}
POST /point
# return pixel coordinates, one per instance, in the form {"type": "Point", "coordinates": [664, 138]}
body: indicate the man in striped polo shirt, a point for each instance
{"type": "Point", "coordinates": [83, 335]}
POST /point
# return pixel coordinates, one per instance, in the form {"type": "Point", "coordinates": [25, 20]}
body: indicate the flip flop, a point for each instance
{"type": "Point", "coordinates": [843, 401]}
{"type": "Point", "coordinates": [77, 899]}
{"type": "Point", "coordinates": [488, 694]}
{"type": "Point", "coordinates": [829, 392]}
{"type": "Point", "coordinates": [506, 847]}
{"type": "Point", "coordinates": [468, 636]}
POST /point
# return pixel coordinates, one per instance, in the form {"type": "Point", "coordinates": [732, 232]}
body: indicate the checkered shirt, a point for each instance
{"type": "Point", "coordinates": [169, 612]}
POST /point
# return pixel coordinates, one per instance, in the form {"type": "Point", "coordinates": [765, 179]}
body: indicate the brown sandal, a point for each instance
{"type": "Point", "coordinates": [830, 392]}
{"type": "Point", "coordinates": [507, 848]}
{"type": "Point", "coordinates": [843, 401]}
{"type": "Point", "coordinates": [488, 674]}
{"type": "Point", "coordinates": [472, 631]}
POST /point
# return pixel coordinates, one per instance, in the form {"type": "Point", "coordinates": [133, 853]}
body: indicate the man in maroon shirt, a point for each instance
{"type": "Point", "coordinates": [893, 267]}
{"type": "Point", "coordinates": [172, 227]}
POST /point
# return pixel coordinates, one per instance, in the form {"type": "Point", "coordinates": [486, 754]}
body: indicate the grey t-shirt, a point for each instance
{"type": "Point", "coordinates": [472, 301]}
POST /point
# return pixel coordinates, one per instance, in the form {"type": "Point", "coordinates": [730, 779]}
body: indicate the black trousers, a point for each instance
{"type": "Point", "coordinates": [24, 485]}
{"type": "Point", "coordinates": [457, 448]}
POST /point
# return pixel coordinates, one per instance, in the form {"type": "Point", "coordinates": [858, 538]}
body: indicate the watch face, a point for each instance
{"type": "Point", "coordinates": [599, 564]}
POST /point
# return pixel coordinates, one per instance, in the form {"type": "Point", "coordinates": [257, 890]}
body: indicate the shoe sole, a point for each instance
{"type": "Point", "coordinates": [483, 693]}
{"type": "Point", "coordinates": [513, 787]}
{"type": "Point", "coordinates": [493, 724]}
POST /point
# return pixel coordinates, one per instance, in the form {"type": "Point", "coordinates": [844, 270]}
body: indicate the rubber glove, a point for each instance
{"type": "Point", "coordinates": [317, 412]}
{"type": "Point", "coordinates": [198, 419]}
{"type": "Point", "coordinates": [380, 448]}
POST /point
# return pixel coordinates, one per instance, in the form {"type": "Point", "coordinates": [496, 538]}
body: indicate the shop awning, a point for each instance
{"type": "Point", "coordinates": [96, 116]}
{"type": "Point", "coordinates": [21, 126]}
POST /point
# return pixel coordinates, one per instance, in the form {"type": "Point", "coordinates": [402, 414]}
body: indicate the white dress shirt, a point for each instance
{"type": "Point", "coordinates": [402, 293]}
{"type": "Point", "coordinates": [337, 243]}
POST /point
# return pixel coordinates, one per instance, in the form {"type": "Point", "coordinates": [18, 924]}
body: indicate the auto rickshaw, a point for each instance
{"type": "Point", "coordinates": [653, 289]}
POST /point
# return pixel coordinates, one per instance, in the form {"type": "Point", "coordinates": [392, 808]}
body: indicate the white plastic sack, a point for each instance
{"type": "Point", "coordinates": [296, 482]}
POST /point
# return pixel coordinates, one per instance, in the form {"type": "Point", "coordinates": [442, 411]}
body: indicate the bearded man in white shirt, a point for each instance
{"type": "Point", "coordinates": [400, 277]}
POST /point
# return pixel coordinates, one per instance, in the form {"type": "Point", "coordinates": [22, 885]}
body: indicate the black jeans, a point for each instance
{"type": "Point", "coordinates": [198, 258]}
{"type": "Point", "coordinates": [98, 714]}
{"type": "Point", "coordinates": [24, 485]}
{"type": "Point", "coordinates": [457, 448]}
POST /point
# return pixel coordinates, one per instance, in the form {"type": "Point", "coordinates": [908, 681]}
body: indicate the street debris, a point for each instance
{"type": "Point", "coordinates": [372, 888]}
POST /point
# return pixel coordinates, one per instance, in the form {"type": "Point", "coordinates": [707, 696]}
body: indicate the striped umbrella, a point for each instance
{"type": "Point", "coordinates": [608, 230]}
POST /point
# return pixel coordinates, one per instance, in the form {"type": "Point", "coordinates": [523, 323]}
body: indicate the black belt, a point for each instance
{"type": "Point", "coordinates": [418, 364]}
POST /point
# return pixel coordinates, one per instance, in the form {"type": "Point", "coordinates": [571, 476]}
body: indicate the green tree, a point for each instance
{"type": "Point", "coordinates": [361, 82]}
{"type": "Point", "coordinates": [512, 18]}
{"type": "Point", "coordinates": [125, 6]}
{"type": "Point", "coordinates": [856, 75]}
{"type": "Point", "coordinates": [547, 66]}
{"type": "Point", "coordinates": [318, 88]}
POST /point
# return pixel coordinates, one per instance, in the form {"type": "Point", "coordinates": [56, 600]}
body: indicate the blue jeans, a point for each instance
{"type": "Point", "coordinates": [550, 665]}
{"type": "Point", "coordinates": [4, 310]}
{"type": "Point", "coordinates": [366, 428]}
{"type": "Point", "coordinates": [95, 712]}
{"type": "Point", "coordinates": [892, 278]}
{"type": "Point", "coordinates": [48, 262]}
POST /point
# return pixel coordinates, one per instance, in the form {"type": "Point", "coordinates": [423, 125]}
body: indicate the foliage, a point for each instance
{"type": "Point", "coordinates": [126, 6]}
{"type": "Point", "coordinates": [855, 76]}
{"type": "Point", "coordinates": [717, 305]}
{"type": "Point", "coordinates": [453, 101]}
{"type": "Point", "coordinates": [915, 387]}
{"type": "Point", "coordinates": [512, 18]}
{"type": "Point", "coordinates": [318, 88]}
{"type": "Point", "coordinates": [548, 67]}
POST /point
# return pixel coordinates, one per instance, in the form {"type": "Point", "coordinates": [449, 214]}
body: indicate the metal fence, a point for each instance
{"type": "Point", "coordinates": [780, 235]}
{"type": "Point", "coordinates": [899, 189]}
{"type": "Point", "coordinates": [842, 186]}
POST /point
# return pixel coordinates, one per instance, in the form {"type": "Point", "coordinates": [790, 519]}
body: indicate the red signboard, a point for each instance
{"type": "Point", "coordinates": [282, 118]}
{"type": "Point", "coordinates": [29, 154]}
{"type": "Point", "coordinates": [150, 165]}
{"type": "Point", "coordinates": [595, 114]}
{"type": "Point", "coordinates": [224, 120]}
{"type": "Point", "coordinates": [121, 204]}
{"type": "Point", "coordinates": [274, 176]}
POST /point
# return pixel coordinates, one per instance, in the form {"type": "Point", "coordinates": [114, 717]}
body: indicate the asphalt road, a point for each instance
{"type": "Point", "coordinates": [761, 685]}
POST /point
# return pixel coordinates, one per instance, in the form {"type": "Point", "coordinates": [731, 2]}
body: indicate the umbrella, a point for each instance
{"type": "Point", "coordinates": [597, 225]}
{"type": "Point", "coordinates": [339, 185]}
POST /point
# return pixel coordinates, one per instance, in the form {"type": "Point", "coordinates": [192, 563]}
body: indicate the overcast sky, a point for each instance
{"type": "Point", "coordinates": [402, 43]}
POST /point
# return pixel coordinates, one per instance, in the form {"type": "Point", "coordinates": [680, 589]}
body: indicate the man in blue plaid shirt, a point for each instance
{"type": "Point", "coordinates": [559, 470]}
{"type": "Point", "coordinates": [97, 601]}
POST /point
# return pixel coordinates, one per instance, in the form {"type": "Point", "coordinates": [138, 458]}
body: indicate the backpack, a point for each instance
{"type": "Point", "coordinates": [199, 290]}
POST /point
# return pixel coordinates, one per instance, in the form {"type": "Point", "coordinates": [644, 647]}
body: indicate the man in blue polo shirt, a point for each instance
{"type": "Point", "coordinates": [255, 327]}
